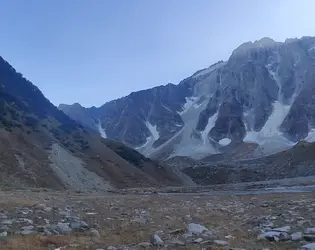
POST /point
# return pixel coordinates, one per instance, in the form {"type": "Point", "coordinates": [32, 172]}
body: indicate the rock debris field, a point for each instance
{"type": "Point", "coordinates": [51, 220]}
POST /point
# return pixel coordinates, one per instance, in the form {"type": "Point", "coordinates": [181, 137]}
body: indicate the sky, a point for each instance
{"type": "Point", "coordinates": [94, 51]}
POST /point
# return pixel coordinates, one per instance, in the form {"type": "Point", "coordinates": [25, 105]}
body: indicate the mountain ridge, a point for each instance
{"type": "Point", "coordinates": [262, 94]}
{"type": "Point", "coordinates": [43, 147]}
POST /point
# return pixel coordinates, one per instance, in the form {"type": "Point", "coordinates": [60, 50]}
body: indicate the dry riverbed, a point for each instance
{"type": "Point", "coordinates": [52, 220]}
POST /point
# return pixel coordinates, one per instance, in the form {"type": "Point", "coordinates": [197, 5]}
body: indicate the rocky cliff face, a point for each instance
{"type": "Point", "coordinates": [263, 94]}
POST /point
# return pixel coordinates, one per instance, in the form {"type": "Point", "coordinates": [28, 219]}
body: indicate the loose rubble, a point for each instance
{"type": "Point", "coordinates": [221, 242]}
{"type": "Point", "coordinates": [309, 247]}
{"type": "Point", "coordinates": [297, 236]}
{"type": "Point", "coordinates": [161, 221]}
{"type": "Point", "coordinates": [156, 240]}
{"type": "Point", "coordinates": [196, 228]}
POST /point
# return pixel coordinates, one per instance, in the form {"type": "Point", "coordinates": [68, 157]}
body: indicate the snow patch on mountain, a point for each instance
{"type": "Point", "coordinates": [147, 147]}
{"type": "Point", "coordinates": [189, 145]}
{"type": "Point", "coordinates": [269, 137]}
{"type": "Point", "coordinates": [209, 70]}
{"type": "Point", "coordinates": [311, 136]}
{"type": "Point", "coordinates": [210, 125]}
{"type": "Point", "coordinates": [225, 141]}
{"type": "Point", "coordinates": [312, 49]}
{"type": "Point", "coordinates": [101, 130]}
{"type": "Point", "coordinates": [190, 101]}
{"type": "Point", "coordinates": [154, 133]}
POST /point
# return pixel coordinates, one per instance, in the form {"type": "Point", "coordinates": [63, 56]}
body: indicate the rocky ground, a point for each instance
{"type": "Point", "coordinates": [50, 220]}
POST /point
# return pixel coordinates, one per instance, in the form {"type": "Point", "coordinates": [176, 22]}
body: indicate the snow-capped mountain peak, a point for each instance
{"type": "Point", "coordinates": [263, 94]}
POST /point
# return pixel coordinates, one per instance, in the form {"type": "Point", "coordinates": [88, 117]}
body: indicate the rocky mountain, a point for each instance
{"type": "Point", "coordinates": [263, 95]}
{"type": "Point", "coordinates": [42, 147]}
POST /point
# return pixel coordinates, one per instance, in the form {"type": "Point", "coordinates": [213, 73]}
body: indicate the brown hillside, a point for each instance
{"type": "Point", "coordinates": [42, 147]}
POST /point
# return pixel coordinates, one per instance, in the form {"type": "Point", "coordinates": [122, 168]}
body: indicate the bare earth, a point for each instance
{"type": "Point", "coordinates": [124, 221]}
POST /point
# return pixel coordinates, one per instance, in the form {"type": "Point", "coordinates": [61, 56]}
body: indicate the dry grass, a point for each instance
{"type": "Point", "coordinates": [11, 201]}
{"type": "Point", "coordinates": [224, 215]}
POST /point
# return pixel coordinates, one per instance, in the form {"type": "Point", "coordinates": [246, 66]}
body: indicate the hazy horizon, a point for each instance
{"type": "Point", "coordinates": [94, 52]}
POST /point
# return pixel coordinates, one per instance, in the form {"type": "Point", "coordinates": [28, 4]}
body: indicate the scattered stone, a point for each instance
{"type": "Point", "coordinates": [285, 229]}
{"type": "Point", "coordinates": [64, 213]}
{"type": "Point", "coordinates": [47, 209]}
{"type": "Point", "coordinates": [27, 232]}
{"type": "Point", "coordinates": [111, 248]}
{"type": "Point", "coordinates": [297, 236]}
{"type": "Point", "coordinates": [73, 245]}
{"type": "Point", "coordinates": [79, 226]}
{"type": "Point", "coordinates": [310, 230]}
{"type": "Point", "coordinates": [272, 235]}
{"type": "Point", "coordinates": [199, 240]}
{"type": "Point", "coordinates": [140, 220]}
{"type": "Point", "coordinates": [4, 229]}
{"type": "Point", "coordinates": [63, 228]}
{"type": "Point", "coordinates": [220, 242]}
{"type": "Point", "coordinates": [4, 234]}
{"type": "Point", "coordinates": [156, 240]}
{"type": "Point", "coordinates": [25, 220]}
{"type": "Point", "coordinates": [7, 222]}
{"type": "Point", "coordinates": [206, 242]}
{"type": "Point", "coordinates": [144, 244]}
{"type": "Point", "coordinates": [25, 228]}
{"type": "Point", "coordinates": [196, 228]}
{"type": "Point", "coordinates": [177, 243]}
{"type": "Point", "coordinates": [40, 206]}
{"type": "Point", "coordinates": [159, 232]}
{"type": "Point", "coordinates": [187, 235]}
{"type": "Point", "coordinates": [261, 237]}
{"type": "Point", "coordinates": [284, 236]}
{"type": "Point", "coordinates": [275, 236]}
{"type": "Point", "coordinates": [25, 211]}
{"type": "Point", "coordinates": [209, 233]}
{"type": "Point", "coordinates": [309, 247]}
{"type": "Point", "coordinates": [41, 229]}
{"type": "Point", "coordinates": [229, 237]}
{"type": "Point", "coordinates": [267, 224]}
{"type": "Point", "coordinates": [94, 233]}
{"type": "Point", "coordinates": [177, 231]}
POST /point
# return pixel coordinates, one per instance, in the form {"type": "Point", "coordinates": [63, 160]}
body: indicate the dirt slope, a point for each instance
{"type": "Point", "coordinates": [42, 147]}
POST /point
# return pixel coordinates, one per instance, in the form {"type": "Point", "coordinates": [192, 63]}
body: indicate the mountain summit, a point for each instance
{"type": "Point", "coordinates": [263, 95]}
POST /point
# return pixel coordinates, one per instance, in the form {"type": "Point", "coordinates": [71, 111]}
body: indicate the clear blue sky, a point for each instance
{"type": "Point", "coordinates": [92, 51]}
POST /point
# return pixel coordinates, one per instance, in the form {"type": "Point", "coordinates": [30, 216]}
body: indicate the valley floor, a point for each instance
{"type": "Point", "coordinates": [52, 220]}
